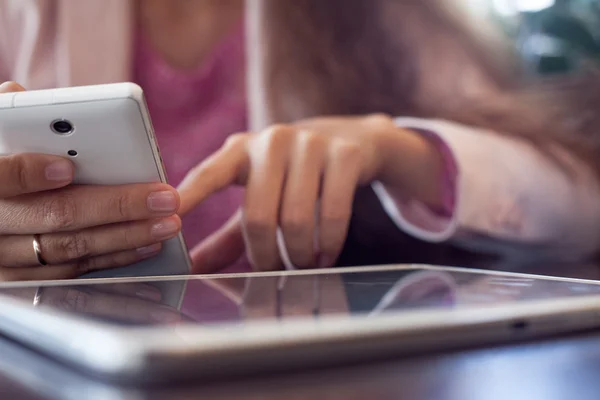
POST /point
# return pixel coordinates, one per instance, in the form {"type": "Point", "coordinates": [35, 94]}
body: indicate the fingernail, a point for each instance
{"type": "Point", "coordinates": [59, 171]}
{"type": "Point", "coordinates": [325, 262]}
{"type": "Point", "coordinates": [162, 202]}
{"type": "Point", "coordinates": [164, 229]}
{"type": "Point", "coordinates": [165, 314]}
{"type": "Point", "coordinates": [149, 294]}
{"type": "Point", "coordinates": [149, 251]}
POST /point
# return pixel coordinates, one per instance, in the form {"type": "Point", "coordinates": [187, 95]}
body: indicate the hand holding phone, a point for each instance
{"type": "Point", "coordinates": [78, 228]}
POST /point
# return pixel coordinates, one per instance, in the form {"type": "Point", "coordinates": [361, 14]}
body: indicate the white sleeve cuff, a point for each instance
{"type": "Point", "coordinates": [415, 218]}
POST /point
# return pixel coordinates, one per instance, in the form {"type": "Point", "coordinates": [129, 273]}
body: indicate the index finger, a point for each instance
{"type": "Point", "coordinates": [224, 168]}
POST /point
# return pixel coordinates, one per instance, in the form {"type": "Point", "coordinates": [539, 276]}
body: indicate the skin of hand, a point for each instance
{"type": "Point", "coordinates": [82, 228]}
{"type": "Point", "coordinates": [301, 178]}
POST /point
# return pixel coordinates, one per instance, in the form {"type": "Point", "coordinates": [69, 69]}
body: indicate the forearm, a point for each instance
{"type": "Point", "coordinates": [504, 189]}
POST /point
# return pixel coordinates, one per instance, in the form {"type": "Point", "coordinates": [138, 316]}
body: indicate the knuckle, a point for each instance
{"type": "Point", "coordinates": [60, 212]}
{"type": "Point", "coordinates": [379, 120]}
{"type": "Point", "coordinates": [236, 140]}
{"type": "Point", "coordinates": [278, 135]}
{"type": "Point", "coordinates": [122, 204]}
{"type": "Point", "coordinates": [16, 167]}
{"type": "Point", "coordinates": [277, 129]}
{"type": "Point", "coordinates": [21, 173]}
{"type": "Point", "coordinates": [311, 141]}
{"type": "Point", "coordinates": [346, 151]}
{"type": "Point", "coordinates": [74, 246]}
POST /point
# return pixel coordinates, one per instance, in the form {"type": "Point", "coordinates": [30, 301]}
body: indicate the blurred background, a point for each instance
{"type": "Point", "coordinates": [553, 36]}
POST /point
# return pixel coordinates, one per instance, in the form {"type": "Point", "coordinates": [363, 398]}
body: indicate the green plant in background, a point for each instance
{"type": "Point", "coordinates": [559, 38]}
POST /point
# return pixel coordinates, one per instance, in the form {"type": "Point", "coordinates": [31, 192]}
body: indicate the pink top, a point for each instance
{"type": "Point", "coordinates": [193, 113]}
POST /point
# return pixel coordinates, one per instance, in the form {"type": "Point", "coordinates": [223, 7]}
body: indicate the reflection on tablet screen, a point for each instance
{"type": "Point", "coordinates": [225, 300]}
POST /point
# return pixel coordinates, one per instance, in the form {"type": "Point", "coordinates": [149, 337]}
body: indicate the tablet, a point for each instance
{"type": "Point", "coordinates": [120, 329]}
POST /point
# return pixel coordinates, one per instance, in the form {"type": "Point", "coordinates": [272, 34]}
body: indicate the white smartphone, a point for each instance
{"type": "Point", "coordinates": [107, 132]}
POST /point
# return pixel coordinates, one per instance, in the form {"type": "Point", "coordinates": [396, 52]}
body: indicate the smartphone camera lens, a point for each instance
{"type": "Point", "coordinates": [72, 153]}
{"type": "Point", "coordinates": [62, 127]}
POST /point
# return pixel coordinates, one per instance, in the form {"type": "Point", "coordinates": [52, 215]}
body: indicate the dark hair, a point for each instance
{"type": "Point", "coordinates": [421, 58]}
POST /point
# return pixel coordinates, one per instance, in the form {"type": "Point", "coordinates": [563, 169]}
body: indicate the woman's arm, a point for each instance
{"type": "Point", "coordinates": [498, 190]}
{"type": "Point", "coordinates": [301, 180]}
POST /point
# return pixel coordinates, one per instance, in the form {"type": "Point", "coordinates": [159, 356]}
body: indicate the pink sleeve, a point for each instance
{"type": "Point", "coordinates": [500, 190]}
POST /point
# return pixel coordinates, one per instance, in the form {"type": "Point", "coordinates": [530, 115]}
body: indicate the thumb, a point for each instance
{"type": "Point", "coordinates": [221, 249]}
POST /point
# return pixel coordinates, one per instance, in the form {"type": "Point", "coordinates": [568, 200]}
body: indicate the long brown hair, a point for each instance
{"type": "Point", "coordinates": [422, 58]}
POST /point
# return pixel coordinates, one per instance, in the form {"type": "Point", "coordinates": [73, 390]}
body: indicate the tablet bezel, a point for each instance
{"type": "Point", "coordinates": [146, 355]}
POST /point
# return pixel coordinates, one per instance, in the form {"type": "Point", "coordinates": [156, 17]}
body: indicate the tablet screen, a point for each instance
{"type": "Point", "coordinates": [238, 299]}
